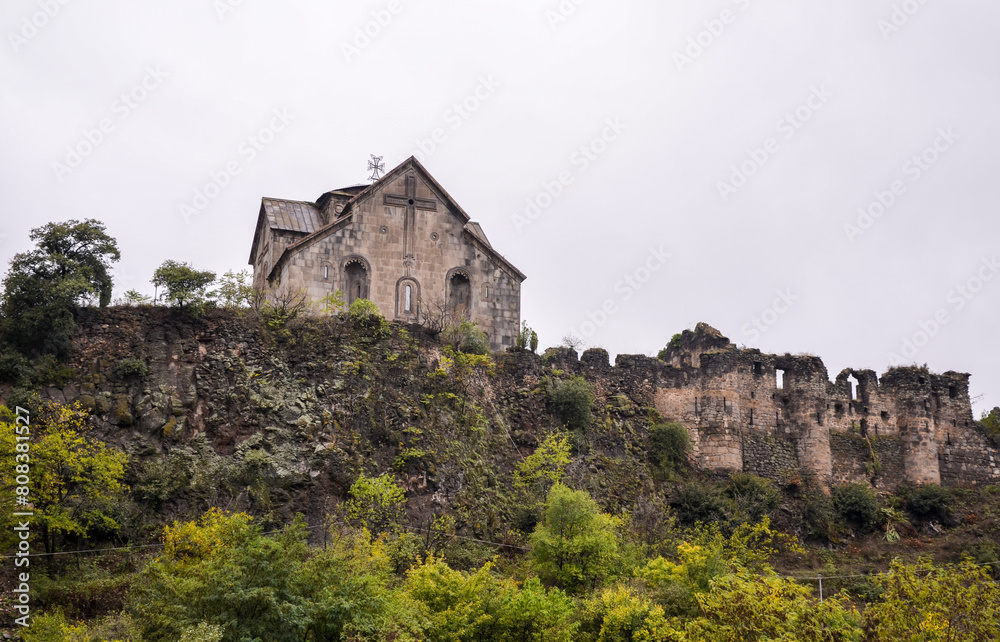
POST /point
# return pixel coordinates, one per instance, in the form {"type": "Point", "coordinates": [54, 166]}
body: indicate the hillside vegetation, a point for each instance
{"type": "Point", "coordinates": [244, 466]}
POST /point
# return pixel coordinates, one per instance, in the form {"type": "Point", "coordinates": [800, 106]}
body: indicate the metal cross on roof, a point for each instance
{"type": "Point", "coordinates": [376, 167]}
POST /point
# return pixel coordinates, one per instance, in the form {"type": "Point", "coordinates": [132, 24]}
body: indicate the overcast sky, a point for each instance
{"type": "Point", "coordinates": [647, 165]}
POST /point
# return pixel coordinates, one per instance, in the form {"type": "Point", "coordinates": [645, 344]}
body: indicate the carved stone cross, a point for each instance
{"type": "Point", "coordinates": [412, 204]}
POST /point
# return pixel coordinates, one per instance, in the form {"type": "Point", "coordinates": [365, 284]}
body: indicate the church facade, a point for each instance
{"type": "Point", "coordinates": [401, 242]}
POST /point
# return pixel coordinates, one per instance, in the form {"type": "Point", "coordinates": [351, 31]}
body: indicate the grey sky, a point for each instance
{"type": "Point", "coordinates": [822, 106]}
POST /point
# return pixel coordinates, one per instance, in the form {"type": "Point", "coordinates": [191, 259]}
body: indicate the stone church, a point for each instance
{"type": "Point", "coordinates": [401, 242]}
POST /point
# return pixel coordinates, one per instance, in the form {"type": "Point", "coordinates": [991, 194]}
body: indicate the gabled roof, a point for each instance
{"type": "Point", "coordinates": [291, 212]}
{"type": "Point", "coordinates": [477, 230]}
{"type": "Point", "coordinates": [293, 216]}
{"type": "Point", "coordinates": [289, 216]}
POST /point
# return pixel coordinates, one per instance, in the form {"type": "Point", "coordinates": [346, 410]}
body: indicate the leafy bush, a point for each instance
{"type": "Point", "coordinates": [572, 400]}
{"type": "Point", "coordinates": [927, 502]}
{"type": "Point", "coordinates": [753, 496]}
{"type": "Point", "coordinates": [526, 338]}
{"type": "Point", "coordinates": [819, 516]}
{"type": "Point", "coordinates": [15, 368]}
{"type": "Point", "coordinates": [364, 311]}
{"type": "Point", "coordinates": [668, 445]}
{"type": "Point", "coordinates": [53, 372]}
{"type": "Point", "coordinates": [131, 367]}
{"type": "Point", "coordinates": [857, 503]}
{"type": "Point", "coordinates": [365, 315]}
{"type": "Point", "coordinates": [467, 337]}
{"type": "Point", "coordinates": [701, 503]}
{"type": "Point", "coordinates": [675, 342]}
{"type": "Point", "coordinates": [990, 423]}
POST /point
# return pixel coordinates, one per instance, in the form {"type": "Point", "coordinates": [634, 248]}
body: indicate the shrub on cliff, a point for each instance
{"type": "Point", "coordinates": [928, 502]}
{"type": "Point", "coordinates": [698, 503]}
{"type": "Point", "coordinates": [668, 446]}
{"type": "Point", "coordinates": [572, 400]}
{"type": "Point", "coordinates": [856, 503]}
{"type": "Point", "coordinates": [675, 342]}
{"type": "Point", "coordinates": [754, 497]}
{"type": "Point", "coordinates": [467, 337]}
{"type": "Point", "coordinates": [990, 423]}
{"type": "Point", "coordinates": [366, 316]}
{"type": "Point", "coordinates": [130, 367]}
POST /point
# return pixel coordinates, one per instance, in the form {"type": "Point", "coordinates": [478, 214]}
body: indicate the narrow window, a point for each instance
{"type": "Point", "coordinates": [326, 272]}
{"type": "Point", "coordinates": [952, 392]}
{"type": "Point", "coordinates": [758, 368]}
{"type": "Point", "coordinates": [779, 378]}
{"type": "Point", "coordinates": [408, 304]}
{"type": "Point", "coordinates": [852, 386]}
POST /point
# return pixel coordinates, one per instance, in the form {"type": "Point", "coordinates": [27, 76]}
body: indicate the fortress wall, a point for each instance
{"type": "Point", "coordinates": [911, 426]}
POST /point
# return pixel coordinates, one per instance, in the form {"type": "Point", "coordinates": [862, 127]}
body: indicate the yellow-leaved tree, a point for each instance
{"type": "Point", "coordinates": [73, 479]}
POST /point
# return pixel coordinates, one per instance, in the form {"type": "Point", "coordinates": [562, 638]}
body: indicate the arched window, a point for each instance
{"type": "Point", "coordinates": [460, 295]}
{"type": "Point", "coordinates": [407, 299]}
{"type": "Point", "coordinates": [357, 279]}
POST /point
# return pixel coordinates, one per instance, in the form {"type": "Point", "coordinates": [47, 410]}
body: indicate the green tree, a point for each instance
{"type": "Point", "coordinates": [223, 572]}
{"type": "Point", "coordinates": [544, 467]}
{"type": "Point", "coordinates": [75, 480]}
{"type": "Point", "coordinates": [479, 606]}
{"type": "Point", "coordinates": [183, 285]}
{"type": "Point", "coordinates": [575, 545]}
{"type": "Point", "coordinates": [376, 503]}
{"type": "Point", "coordinates": [572, 400]}
{"type": "Point", "coordinates": [745, 605]}
{"type": "Point", "coordinates": [928, 602]}
{"type": "Point", "coordinates": [70, 265]}
{"type": "Point", "coordinates": [990, 423]}
{"type": "Point", "coordinates": [235, 289]}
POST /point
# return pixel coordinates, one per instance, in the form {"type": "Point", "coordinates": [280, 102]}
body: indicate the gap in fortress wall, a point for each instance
{"type": "Point", "coordinates": [781, 417]}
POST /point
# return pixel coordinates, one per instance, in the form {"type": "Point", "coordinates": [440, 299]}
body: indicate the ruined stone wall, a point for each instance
{"type": "Point", "coordinates": [912, 426]}
{"type": "Point", "coordinates": [909, 426]}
